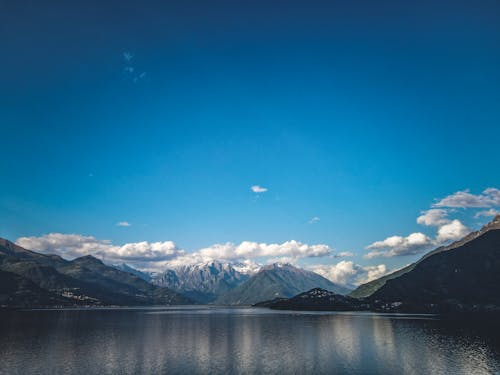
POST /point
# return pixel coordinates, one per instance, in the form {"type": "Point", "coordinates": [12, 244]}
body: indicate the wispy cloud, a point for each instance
{"type": "Point", "coordinates": [139, 77]}
{"type": "Point", "coordinates": [130, 68]}
{"type": "Point", "coordinates": [258, 189]}
{"type": "Point", "coordinates": [127, 56]}
{"type": "Point", "coordinates": [464, 199]}
{"type": "Point", "coordinates": [314, 220]}
{"type": "Point", "coordinates": [343, 254]}
{"type": "Point", "coordinates": [123, 224]}
{"type": "Point", "coordinates": [487, 213]}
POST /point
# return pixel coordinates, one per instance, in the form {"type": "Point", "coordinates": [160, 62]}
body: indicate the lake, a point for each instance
{"type": "Point", "coordinates": [217, 340]}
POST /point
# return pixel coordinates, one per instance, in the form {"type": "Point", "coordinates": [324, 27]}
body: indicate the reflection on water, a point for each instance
{"type": "Point", "coordinates": [247, 341]}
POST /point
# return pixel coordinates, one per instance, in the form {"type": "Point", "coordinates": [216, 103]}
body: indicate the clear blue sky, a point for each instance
{"type": "Point", "coordinates": [360, 113]}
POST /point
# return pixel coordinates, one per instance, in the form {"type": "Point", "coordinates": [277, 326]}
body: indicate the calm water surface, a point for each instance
{"type": "Point", "coordinates": [212, 340]}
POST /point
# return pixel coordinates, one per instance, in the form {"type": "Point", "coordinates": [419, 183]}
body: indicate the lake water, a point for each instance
{"type": "Point", "coordinates": [212, 340]}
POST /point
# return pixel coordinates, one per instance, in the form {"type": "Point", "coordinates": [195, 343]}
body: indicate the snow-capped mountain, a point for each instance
{"type": "Point", "coordinates": [203, 282]}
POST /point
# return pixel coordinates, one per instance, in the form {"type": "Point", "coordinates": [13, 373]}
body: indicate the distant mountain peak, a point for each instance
{"type": "Point", "coordinates": [11, 246]}
{"type": "Point", "coordinates": [88, 259]}
{"type": "Point", "coordinates": [278, 265]}
{"type": "Point", "coordinates": [5, 242]}
{"type": "Point", "coordinates": [202, 281]}
{"type": "Point", "coordinates": [493, 224]}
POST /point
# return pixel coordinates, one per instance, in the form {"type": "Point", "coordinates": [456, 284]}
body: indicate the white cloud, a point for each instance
{"type": "Point", "coordinates": [452, 231]}
{"type": "Point", "coordinates": [433, 217]}
{"type": "Point", "coordinates": [464, 199]}
{"type": "Point", "coordinates": [247, 249]}
{"type": "Point", "coordinates": [314, 220]}
{"type": "Point", "coordinates": [343, 273]}
{"type": "Point", "coordinates": [487, 213]}
{"type": "Point", "coordinates": [123, 224]}
{"type": "Point", "coordinates": [139, 254]}
{"type": "Point", "coordinates": [415, 243]}
{"type": "Point", "coordinates": [67, 245]}
{"type": "Point", "coordinates": [258, 189]}
{"type": "Point", "coordinates": [447, 229]}
{"type": "Point", "coordinates": [349, 273]}
{"type": "Point", "coordinates": [374, 272]}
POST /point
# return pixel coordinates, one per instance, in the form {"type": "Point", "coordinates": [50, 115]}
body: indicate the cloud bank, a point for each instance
{"type": "Point", "coordinates": [157, 256]}
{"type": "Point", "coordinates": [142, 254]}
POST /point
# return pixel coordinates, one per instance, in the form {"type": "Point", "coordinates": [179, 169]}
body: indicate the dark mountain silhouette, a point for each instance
{"type": "Point", "coordinates": [464, 277]}
{"type": "Point", "coordinates": [461, 277]}
{"type": "Point", "coordinates": [371, 287]}
{"type": "Point", "coordinates": [316, 299]}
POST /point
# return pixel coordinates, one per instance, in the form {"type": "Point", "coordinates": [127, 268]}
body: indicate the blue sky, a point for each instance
{"type": "Point", "coordinates": [163, 115]}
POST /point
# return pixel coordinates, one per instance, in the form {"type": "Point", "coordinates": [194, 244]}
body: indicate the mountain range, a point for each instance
{"type": "Point", "coordinates": [462, 276]}
{"type": "Point", "coordinates": [31, 279]}
{"type": "Point", "coordinates": [203, 283]}
{"type": "Point", "coordinates": [221, 283]}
